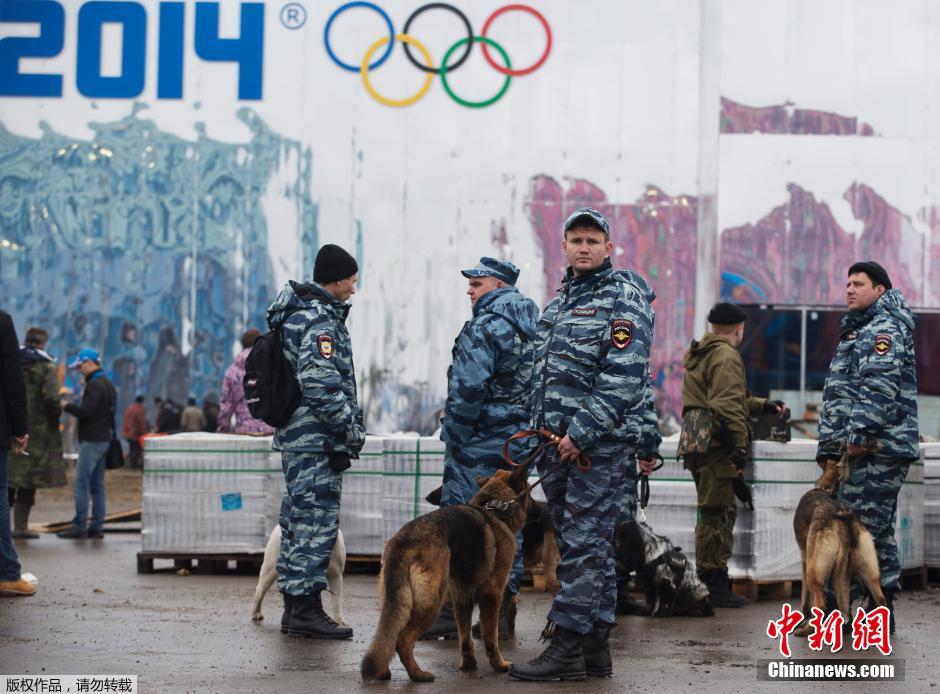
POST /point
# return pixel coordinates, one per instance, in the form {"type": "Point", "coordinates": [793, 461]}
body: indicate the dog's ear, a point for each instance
{"type": "Point", "coordinates": [481, 481]}
{"type": "Point", "coordinates": [434, 498]}
{"type": "Point", "coordinates": [517, 479]}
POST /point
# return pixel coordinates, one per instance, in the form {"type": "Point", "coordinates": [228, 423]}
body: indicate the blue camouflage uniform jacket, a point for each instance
{"type": "Point", "coordinates": [489, 383]}
{"type": "Point", "coordinates": [592, 362]}
{"type": "Point", "coordinates": [317, 345]}
{"type": "Point", "coordinates": [869, 398]}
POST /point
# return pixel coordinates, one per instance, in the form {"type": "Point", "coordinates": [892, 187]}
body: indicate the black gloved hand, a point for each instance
{"type": "Point", "coordinates": [339, 461]}
{"type": "Point", "coordinates": [740, 456]}
{"type": "Point", "coordinates": [771, 407]}
{"type": "Point", "coordinates": [742, 490]}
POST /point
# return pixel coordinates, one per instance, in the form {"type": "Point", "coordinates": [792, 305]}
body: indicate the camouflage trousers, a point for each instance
{"type": "Point", "coordinates": [460, 484]}
{"type": "Point", "coordinates": [631, 481]}
{"type": "Point", "coordinates": [714, 477]}
{"type": "Point", "coordinates": [309, 522]}
{"type": "Point", "coordinates": [872, 492]}
{"type": "Point", "coordinates": [584, 507]}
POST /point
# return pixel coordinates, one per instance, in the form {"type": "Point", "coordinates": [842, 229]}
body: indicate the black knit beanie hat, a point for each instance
{"type": "Point", "coordinates": [333, 264]}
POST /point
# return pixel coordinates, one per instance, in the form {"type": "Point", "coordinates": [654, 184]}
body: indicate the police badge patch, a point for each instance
{"type": "Point", "coordinates": [882, 344]}
{"type": "Point", "coordinates": [621, 332]}
{"type": "Point", "coordinates": [325, 345]}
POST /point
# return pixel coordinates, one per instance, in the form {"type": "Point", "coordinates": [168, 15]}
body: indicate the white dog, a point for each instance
{"type": "Point", "coordinates": [334, 574]}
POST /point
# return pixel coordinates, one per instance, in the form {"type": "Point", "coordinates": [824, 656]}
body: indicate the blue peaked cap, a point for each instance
{"type": "Point", "coordinates": [491, 267]}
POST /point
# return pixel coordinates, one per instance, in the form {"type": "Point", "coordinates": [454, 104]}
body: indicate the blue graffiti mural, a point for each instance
{"type": "Point", "coordinates": [150, 248]}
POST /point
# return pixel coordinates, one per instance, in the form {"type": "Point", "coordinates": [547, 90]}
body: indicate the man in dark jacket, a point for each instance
{"type": "Point", "coordinates": [95, 430]}
{"type": "Point", "coordinates": [870, 409]}
{"type": "Point", "coordinates": [13, 434]}
{"type": "Point", "coordinates": [714, 382]}
{"type": "Point", "coordinates": [322, 434]}
{"type": "Point", "coordinates": [489, 385]}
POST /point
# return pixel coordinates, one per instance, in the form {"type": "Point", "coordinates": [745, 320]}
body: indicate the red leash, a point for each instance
{"type": "Point", "coordinates": [583, 462]}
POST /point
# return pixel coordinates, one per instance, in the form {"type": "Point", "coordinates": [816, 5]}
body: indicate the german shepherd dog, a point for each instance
{"type": "Point", "coordinates": [538, 544]}
{"type": "Point", "coordinates": [671, 582]}
{"type": "Point", "coordinates": [833, 545]}
{"type": "Point", "coordinates": [463, 552]}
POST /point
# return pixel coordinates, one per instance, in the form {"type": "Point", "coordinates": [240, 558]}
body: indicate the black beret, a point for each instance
{"type": "Point", "coordinates": [875, 272]}
{"type": "Point", "coordinates": [726, 314]}
{"type": "Point", "coordinates": [333, 264]}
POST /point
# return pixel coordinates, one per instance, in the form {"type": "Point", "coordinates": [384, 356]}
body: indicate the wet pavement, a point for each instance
{"type": "Point", "coordinates": [93, 614]}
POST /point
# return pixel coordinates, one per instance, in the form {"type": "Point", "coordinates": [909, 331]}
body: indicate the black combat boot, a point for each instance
{"type": "Point", "coordinates": [562, 660]}
{"type": "Point", "coordinates": [506, 630]}
{"type": "Point", "coordinates": [308, 619]}
{"type": "Point", "coordinates": [285, 616]}
{"type": "Point", "coordinates": [889, 603]}
{"type": "Point", "coordinates": [597, 661]}
{"type": "Point", "coordinates": [721, 595]}
{"type": "Point", "coordinates": [443, 628]}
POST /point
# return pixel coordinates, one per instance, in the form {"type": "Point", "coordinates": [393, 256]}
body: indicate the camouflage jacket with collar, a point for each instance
{"type": "Point", "coordinates": [317, 345]}
{"type": "Point", "coordinates": [870, 395]}
{"type": "Point", "coordinates": [592, 362]}
{"type": "Point", "coordinates": [489, 383]}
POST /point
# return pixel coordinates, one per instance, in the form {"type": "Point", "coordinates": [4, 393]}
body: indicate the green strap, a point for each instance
{"type": "Point", "coordinates": [417, 476]}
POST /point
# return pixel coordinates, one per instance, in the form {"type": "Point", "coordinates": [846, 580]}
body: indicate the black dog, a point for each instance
{"type": "Point", "coordinates": [671, 584]}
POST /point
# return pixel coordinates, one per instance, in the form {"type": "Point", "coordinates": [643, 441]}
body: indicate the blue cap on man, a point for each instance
{"type": "Point", "coordinates": [589, 217]}
{"type": "Point", "coordinates": [491, 267]}
{"type": "Point", "coordinates": [87, 354]}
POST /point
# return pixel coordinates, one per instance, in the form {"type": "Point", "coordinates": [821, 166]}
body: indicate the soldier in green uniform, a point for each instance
{"type": "Point", "coordinates": [714, 441]}
{"type": "Point", "coordinates": [44, 466]}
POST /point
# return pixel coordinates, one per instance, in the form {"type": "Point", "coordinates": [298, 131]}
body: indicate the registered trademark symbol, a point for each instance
{"type": "Point", "coordinates": [293, 15]}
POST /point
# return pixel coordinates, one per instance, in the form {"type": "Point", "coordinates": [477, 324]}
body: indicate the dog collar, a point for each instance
{"type": "Point", "coordinates": [497, 506]}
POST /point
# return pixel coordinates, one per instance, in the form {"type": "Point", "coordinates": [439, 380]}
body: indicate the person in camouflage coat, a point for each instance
{"type": "Point", "coordinates": [591, 375]}
{"type": "Point", "coordinates": [489, 386]}
{"type": "Point", "coordinates": [321, 436]}
{"type": "Point", "coordinates": [44, 466]}
{"type": "Point", "coordinates": [870, 409]}
{"type": "Point", "coordinates": [715, 383]}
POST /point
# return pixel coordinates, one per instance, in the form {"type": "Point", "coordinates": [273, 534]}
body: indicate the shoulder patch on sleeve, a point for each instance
{"type": "Point", "coordinates": [621, 333]}
{"type": "Point", "coordinates": [325, 345]}
{"type": "Point", "coordinates": [882, 343]}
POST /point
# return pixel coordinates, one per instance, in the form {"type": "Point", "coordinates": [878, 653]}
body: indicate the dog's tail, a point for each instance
{"type": "Point", "coordinates": [865, 562]}
{"type": "Point", "coordinates": [396, 611]}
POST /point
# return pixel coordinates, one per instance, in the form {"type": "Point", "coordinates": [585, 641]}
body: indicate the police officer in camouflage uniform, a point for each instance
{"type": "Point", "coordinates": [321, 436]}
{"type": "Point", "coordinates": [489, 386]}
{"type": "Point", "coordinates": [591, 372]}
{"type": "Point", "coordinates": [714, 381]}
{"type": "Point", "coordinates": [870, 409]}
{"type": "Point", "coordinates": [643, 419]}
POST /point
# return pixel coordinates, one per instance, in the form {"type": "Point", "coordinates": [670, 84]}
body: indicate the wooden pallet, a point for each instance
{"type": "Point", "coordinates": [915, 579]}
{"type": "Point", "coordinates": [201, 562]}
{"type": "Point", "coordinates": [911, 579]}
{"type": "Point", "coordinates": [754, 589]}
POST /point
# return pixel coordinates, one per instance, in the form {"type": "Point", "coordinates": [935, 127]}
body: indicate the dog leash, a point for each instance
{"type": "Point", "coordinates": [645, 488]}
{"type": "Point", "coordinates": [583, 463]}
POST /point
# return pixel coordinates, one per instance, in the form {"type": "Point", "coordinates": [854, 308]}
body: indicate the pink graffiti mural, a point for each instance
{"type": "Point", "coordinates": [654, 236]}
{"type": "Point", "coordinates": [784, 119]}
{"type": "Point", "coordinates": [799, 254]}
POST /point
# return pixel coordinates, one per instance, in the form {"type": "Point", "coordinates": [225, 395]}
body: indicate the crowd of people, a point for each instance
{"type": "Point", "coordinates": [577, 371]}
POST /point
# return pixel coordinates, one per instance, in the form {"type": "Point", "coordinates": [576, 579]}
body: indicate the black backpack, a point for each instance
{"type": "Point", "coordinates": [271, 389]}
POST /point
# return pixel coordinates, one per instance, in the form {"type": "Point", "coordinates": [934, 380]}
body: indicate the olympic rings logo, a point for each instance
{"type": "Point", "coordinates": [446, 68]}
